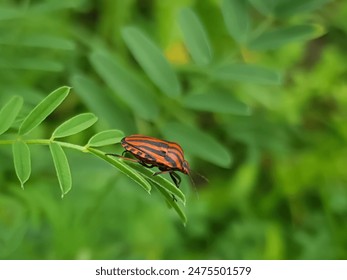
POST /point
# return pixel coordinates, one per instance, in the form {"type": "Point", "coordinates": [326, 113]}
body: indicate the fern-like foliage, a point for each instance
{"type": "Point", "coordinates": [76, 124]}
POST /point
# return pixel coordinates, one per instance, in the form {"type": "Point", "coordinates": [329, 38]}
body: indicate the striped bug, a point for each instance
{"type": "Point", "coordinates": [153, 152]}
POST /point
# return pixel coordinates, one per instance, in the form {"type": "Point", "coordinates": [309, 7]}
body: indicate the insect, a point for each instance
{"type": "Point", "coordinates": [153, 152]}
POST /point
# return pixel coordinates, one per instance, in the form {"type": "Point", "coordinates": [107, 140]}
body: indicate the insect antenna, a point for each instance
{"type": "Point", "coordinates": [201, 176]}
{"type": "Point", "coordinates": [193, 184]}
{"type": "Point", "coordinates": [196, 174]}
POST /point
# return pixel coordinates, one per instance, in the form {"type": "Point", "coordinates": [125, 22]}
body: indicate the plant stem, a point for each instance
{"type": "Point", "coordinates": [47, 142]}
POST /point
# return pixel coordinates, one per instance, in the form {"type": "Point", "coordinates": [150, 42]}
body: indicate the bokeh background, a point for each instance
{"type": "Point", "coordinates": [257, 97]}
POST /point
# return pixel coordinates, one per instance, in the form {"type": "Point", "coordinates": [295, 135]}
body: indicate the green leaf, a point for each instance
{"type": "Point", "coordinates": [216, 102]}
{"type": "Point", "coordinates": [124, 168]}
{"type": "Point", "coordinates": [237, 20]}
{"type": "Point", "coordinates": [61, 167]}
{"type": "Point", "coordinates": [294, 7]}
{"type": "Point", "coordinates": [129, 88]}
{"type": "Point", "coordinates": [160, 181]}
{"type": "Point", "coordinates": [47, 41]}
{"type": "Point", "coordinates": [141, 172]}
{"type": "Point", "coordinates": [172, 203]}
{"type": "Point", "coordinates": [198, 143]}
{"type": "Point", "coordinates": [104, 138]}
{"type": "Point", "coordinates": [98, 100]}
{"type": "Point", "coordinates": [37, 40]}
{"type": "Point", "coordinates": [43, 109]}
{"type": "Point", "coordinates": [265, 7]}
{"type": "Point", "coordinates": [31, 63]}
{"type": "Point", "coordinates": [152, 60]}
{"type": "Point", "coordinates": [9, 113]}
{"type": "Point", "coordinates": [22, 162]}
{"type": "Point", "coordinates": [74, 125]}
{"type": "Point", "coordinates": [195, 37]}
{"type": "Point", "coordinates": [285, 35]}
{"type": "Point", "coordinates": [247, 73]}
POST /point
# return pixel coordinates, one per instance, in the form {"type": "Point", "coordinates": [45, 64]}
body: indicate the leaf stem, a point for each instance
{"type": "Point", "coordinates": [47, 142]}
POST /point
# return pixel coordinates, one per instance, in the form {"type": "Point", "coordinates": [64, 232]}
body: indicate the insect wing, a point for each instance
{"type": "Point", "coordinates": [151, 148]}
{"type": "Point", "coordinates": [141, 147]}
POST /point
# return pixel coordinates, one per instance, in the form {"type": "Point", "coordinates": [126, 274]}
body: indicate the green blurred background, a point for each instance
{"type": "Point", "coordinates": [271, 139]}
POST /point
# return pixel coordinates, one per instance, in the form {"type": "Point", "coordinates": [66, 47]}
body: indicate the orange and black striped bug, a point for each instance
{"type": "Point", "coordinates": [153, 152]}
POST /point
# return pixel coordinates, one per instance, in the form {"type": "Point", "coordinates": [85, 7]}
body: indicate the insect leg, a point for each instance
{"type": "Point", "coordinates": [146, 165]}
{"type": "Point", "coordinates": [123, 157]}
{"type": "Point", "coordinates": [160, 172]}
{"type": "Point", "coordinates": [130, 159]}
{"type": "Point", "coordinates": [176, 178]}
{"type": "Point", "coordinates": [173, 179]}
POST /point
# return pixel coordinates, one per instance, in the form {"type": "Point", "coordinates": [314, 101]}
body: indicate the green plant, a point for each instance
{"type": "Point", "coordinates": [208, 75]}
{"type": "Point", "coordinates": [218, 87]}
{"type": "Point", "coordinates": [21, 151]}
{"type": "Point", "coordinates": [258, 107]}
